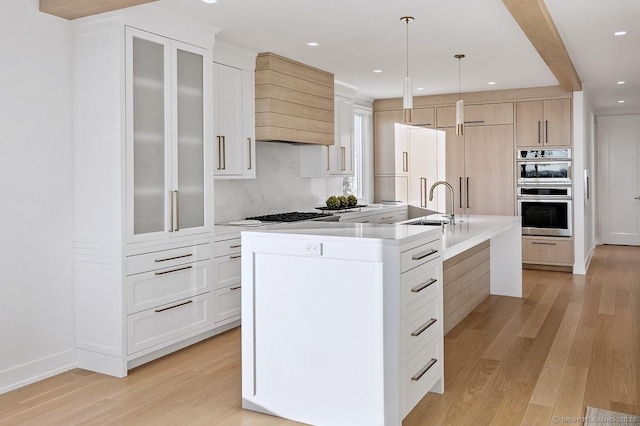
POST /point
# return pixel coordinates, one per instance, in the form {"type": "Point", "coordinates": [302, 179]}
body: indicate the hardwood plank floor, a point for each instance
{"type": "Point", "coordinates": [571, 341]}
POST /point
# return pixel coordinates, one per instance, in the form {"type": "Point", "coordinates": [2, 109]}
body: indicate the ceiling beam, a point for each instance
{"type": "Point", "coordinates": [535, 20]}
{"type": "Point", "coordinates": [73, 9]}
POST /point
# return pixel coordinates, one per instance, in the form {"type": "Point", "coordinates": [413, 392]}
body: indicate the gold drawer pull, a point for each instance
{"type": "Point", "coordinates": [424, 370]}
{"type": "Point", "coordinates": [422, 286]}
{"type": "Point", "coordinates": [174, 306]}
{"type": "Point", "coordinates": [424, 327]}
{"type": "Point", "coordinates": [423, 255]}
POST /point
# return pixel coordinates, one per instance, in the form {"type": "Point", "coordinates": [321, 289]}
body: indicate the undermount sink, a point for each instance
{"type": "Point", "coordinates": [429, 222]}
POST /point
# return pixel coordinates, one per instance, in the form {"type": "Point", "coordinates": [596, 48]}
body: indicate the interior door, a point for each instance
{"type": "Point", "coordinates": [618, 195]}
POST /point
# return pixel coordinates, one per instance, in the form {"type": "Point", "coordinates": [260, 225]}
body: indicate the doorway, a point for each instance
{"type": "Point", "coordinates": [619, 179]}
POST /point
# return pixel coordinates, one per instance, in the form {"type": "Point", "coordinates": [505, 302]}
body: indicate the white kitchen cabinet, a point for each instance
{"type": "Point", "coordinates": [234, 112]}
{"type": "Point", "coordinates": [420, 158]}
{"type": "Point", "coordinates": [167, 188]}
{"type": "Point", "coordinates": [227, 282]}
{"type": "Point", "coordinates": [388, 315]}
{"type": "Point", "coordinates": [143, 190]}
{"type": "Point", "coordinates": [336, 159]}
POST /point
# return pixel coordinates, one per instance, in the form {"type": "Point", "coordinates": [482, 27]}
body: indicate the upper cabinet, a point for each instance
{"type": "Point", "coordinates": [166, 150]}
{"type": "Point", "coordinates": [336, 159]}
{"type": "Point", "coordinates": [477, 115]}
{"type": "Point", "coordinates": [233, 115]}
{"type": "Point", "coordinates": [543, 123]}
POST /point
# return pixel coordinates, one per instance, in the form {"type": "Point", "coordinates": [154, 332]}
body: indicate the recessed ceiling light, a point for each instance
{"type": "Point", "coordinates": [620, 33]}
{"type": "Point", "coordinates": [210, 1]}
{"type": "Point", "coordinates": [313, 44]}
{"type": "Point", "coordinates": [420, 88]}
{"type": "Point", "coordinates": [621, 82]}
{"type": "Point", "coordinates": [491, 82]}
{"type": "Point", "coordinates": [620, 102]}
{"type": "Point", "coordinates": [377, 71]}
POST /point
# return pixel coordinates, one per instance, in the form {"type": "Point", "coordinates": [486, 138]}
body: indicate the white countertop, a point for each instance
{"type": "Point", "coordinates": [469, 231]}
{"type": "Point", "coordinates": [348, 230]}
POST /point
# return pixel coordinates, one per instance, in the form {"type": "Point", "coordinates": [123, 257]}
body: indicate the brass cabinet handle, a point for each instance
{"type": "Point", "coordinates": [219, 152]}
{"type": "Point", "coordinates": [174, 270]}
{"type": "Point", "coordinates": [173, 258]}
{"type": "Point", "coordinates": [328, 159]}
{"type": "Point", "coordinates": [249, 152]}
{"type": "Point", "coordinates": [405, 161]}
{"type": "Point", "coordinates": [423, 192]}
{"type": "Point", "coordinates": [423, 255]}
{"type": "Point", "coordinates": [176, 219]}
{"type": "Point", "coordinates": [174, 306]}
{"type": "Point", "coordinates": [460, 192]}
{"type": "Point", "coordinates": [422, 329]}
{"type": "Point", "coordinates": [468, 193]}
{"type": "Point", "coordinates": [344, 158]}
{"type": "Point", "coordinates": [540, 243]}
{"type": "Point", "coordinates": [422, 286]}
{"type": "Point", "coordinates": [426, 368]}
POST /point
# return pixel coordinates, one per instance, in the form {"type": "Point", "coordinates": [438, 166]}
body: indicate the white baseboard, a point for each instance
{"type": "Point", "coordinates": [31, 372]}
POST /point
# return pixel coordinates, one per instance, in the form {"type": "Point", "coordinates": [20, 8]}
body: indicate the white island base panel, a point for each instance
{"type": "Point", "coordinates": [338, 328]}
{"type": "Point", "coordinates": [322, 338]}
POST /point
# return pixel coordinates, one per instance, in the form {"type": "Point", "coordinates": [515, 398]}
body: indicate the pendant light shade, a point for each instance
{"type": "Point", "coordinates": [407, 93]}
{"type": "Point", "coordinates": [460, 103]}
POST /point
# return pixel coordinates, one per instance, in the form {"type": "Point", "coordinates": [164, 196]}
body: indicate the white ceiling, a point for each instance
{"type": "Point", "coordinates": [357, 36]}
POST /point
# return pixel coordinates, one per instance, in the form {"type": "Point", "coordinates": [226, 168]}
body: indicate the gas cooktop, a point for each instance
{"type": "Point", "coordinates": [290, 216]}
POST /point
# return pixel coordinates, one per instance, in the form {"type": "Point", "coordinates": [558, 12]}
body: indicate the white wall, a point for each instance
{"type": "Point", "coordinates": [583, 159]}
{"type": "Point", "coordinates": [277, 188]}
{"type": "Point", "coordinates": [36, 275]}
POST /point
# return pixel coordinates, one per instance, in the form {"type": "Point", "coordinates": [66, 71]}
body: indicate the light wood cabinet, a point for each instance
{"type": "Point", "coordinates": [477, 115]}
{"type": "Point", "coordinates": [543, 123]}
{"type": "Point", "coordinates": [480, 168]}
{"type": "Point", "coordinates": [233, 112]}
{"type": "Point", "coordinates": [386, 160]}
{"type": "Point", "coordinates": [552, 251]}
{"type": "Point", "coordinates": [489, 164]}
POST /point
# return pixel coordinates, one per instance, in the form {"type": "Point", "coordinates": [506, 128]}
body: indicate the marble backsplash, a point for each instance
{"type": "Point", "coordinates": [277, 188]}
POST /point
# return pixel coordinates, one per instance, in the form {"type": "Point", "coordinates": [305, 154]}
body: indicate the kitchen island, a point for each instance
{"type": "Point", "coordinates": [482, 255]}
{"type": "Point", "coordinates": [341, 323]}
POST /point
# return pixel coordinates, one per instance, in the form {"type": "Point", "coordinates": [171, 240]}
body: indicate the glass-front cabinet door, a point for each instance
{"type": "Point", "coordinates": [167, 189]}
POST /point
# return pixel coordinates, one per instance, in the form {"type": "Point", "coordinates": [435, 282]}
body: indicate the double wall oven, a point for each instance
{"type": "Point", "coordinates": [544, 192]}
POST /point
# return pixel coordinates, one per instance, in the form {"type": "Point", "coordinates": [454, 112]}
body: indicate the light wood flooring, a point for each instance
{"type": "Point", "coordinates": [571, 341]}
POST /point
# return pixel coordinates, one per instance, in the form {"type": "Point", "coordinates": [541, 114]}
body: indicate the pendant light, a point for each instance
{"type": "Point", "coordinates": [460, 103]}
{"type": "Point", "coordinates": [407, 94]}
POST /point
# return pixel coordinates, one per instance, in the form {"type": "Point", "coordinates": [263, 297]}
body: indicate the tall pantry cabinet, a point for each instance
{"type": "Point", "coordinates": [143, 187]}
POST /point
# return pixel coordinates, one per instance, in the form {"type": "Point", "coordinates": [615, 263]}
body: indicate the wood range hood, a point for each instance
{"type": "Point", "coordinates": [294, 102]}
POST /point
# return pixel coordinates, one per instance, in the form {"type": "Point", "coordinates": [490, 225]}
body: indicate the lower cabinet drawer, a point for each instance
{"type": "Point", "coordinates": [226, 303]}
{"type": "Point", "coordinates": [416, 256]}
{"type": "Point", "coordinates": [151, 289]}
{"type": "Point", "coordinates": [420, 285]}
{"type": "Point", "coordinates": [420, 327]}
{"type": "Point", "coordinates": [548, 251]}
{"type": "Point", "coordinates": [166, 322]}
{"type": "Point", "coordinates": [167, 258]}
{"type": "Point", "coordinates": [421, 373]}
{"type": "Point", "coordinates": [227, 270]}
